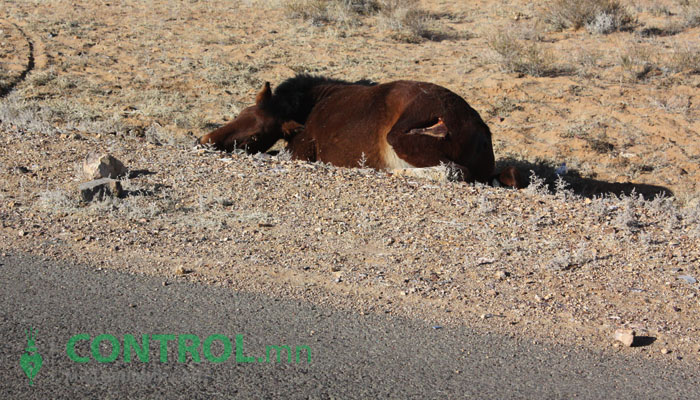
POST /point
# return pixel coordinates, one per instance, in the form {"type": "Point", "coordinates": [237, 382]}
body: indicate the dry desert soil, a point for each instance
{"type": "Point", "coordinates": [600, 101]}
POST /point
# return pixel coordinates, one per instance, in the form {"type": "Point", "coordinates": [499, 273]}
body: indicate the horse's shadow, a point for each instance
{"type": "Point", "coordinates": [585, 187]}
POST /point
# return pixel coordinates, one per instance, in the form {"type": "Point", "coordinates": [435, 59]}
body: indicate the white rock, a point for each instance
{"type": "Point", "coordinates": [625, 336]}
{"type": "Point", "coordinates": [102, 165]}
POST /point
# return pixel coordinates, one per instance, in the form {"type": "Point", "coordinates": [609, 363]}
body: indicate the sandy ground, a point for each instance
{"type": "Point", "coordinates": [142, 79]}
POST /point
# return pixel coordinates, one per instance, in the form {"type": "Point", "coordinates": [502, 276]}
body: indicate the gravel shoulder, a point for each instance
{"type": "Point", "coordinates": [556, 267]}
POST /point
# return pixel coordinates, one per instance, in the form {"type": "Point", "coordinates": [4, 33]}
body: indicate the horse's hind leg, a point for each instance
{"type": "Point", "coordinates": [422, 148]}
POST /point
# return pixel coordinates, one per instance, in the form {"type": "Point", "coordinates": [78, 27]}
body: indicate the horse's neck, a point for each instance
{"type": "Point", "coordinates": [299, 104]}
{"type": "Point", "coordinates": [320, 92]}
{"type": "Point", "coordinates": [312, 97]}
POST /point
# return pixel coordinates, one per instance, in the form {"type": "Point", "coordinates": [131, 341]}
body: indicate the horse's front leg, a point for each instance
{"type": "Point", "coordinates": [302, 147]}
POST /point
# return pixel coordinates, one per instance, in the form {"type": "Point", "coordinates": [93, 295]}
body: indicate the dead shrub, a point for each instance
{"type": "Point", "coordinates": [332, 11]}
{"type": "Point", "coordinates": [691, 13]}
{"type": "Point", "coordinates": [404, 19]}
{"type": "Point", "coordinates": [636, 63]}
{"type": "Point", "coordinates": [599, 16]}
{"type": "Point", "coordinates": [685, 60]}
{"type": "Point", "coordinates": [516, 56]}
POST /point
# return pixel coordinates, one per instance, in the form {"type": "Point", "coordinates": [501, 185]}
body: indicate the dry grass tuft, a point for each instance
{"type": "Point", "coordinates": [528, 58]}
{"type": "Point", "coordinates": [691, 13]}
{"type": "Point", "coordinates": [404, 19]}
{"type": "Point", "coordinates": [636, 63]}
{"type": "Point", "coordinates": [685, 60]}
{"type": "Point", "coordinates": [319, 12]}
{"type": "Point", "coordinates": [598, 16]}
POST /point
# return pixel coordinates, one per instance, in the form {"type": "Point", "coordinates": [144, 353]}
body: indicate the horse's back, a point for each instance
{"type": "Point", "coordinates": [388, 126]}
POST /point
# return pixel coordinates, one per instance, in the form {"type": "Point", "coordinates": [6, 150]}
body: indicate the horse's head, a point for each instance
{"type": "Point", "coordinates": [509, 177]}
{"type": "Point", "coordinates": [255, 129]}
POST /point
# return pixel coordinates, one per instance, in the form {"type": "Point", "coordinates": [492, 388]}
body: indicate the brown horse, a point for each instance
{"type": "Point", "coordinates": [402, 124]}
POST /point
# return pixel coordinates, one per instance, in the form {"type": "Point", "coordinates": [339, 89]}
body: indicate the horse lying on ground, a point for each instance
{"type": "Point", "coordinates": [402, 124]}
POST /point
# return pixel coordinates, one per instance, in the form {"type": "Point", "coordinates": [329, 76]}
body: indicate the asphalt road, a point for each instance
{"type": "Point", "coordinates": [352, 356]}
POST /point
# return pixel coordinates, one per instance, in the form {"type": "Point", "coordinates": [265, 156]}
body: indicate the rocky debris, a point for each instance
{"type": "Point", "coordinates": [182, 271]}
{"type": "Point", "coordinates": [625, 336]}
{"type": "Point", "coordinates": [439, 173]}
{"type": "Point", "coordinates": [102, 165]}
{"type": "Point", "coordinates": [501, 275]}
{"type": "Point", "coordinates": [98, 189]}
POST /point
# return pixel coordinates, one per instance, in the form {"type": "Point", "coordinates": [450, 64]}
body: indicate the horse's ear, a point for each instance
{"type": "Point", "coordinates": [291, 128]}
{"type": "Point", "coordinates": [264, 95]}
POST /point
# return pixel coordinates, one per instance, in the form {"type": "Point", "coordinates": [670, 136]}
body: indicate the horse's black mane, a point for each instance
{"type": "Point", "coordinates": [292, 98]}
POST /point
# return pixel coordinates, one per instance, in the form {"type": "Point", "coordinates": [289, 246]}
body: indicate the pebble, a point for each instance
{"type": "Point", "coordinates": [501, 275]}
{"type": "Point", "coordinates": [625, 336]}
{"type": "Point", "coordinates": [687, 278]}
{"type": "Point", "coordinates": [665, 351]}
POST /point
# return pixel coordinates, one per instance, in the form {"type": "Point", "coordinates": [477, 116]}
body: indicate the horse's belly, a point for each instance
{"type": "Point", "coordinates": [392, 160]}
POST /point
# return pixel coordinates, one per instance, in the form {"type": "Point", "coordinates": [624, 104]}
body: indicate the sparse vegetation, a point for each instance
{"type": "Point", "coordinates": [686, 60]}
{"type": "Point", "coordinates": [503, 107]}
{"type": "Point", "coordinates": [346, 12]}
{"type": "Point", "coordinates": [636, 62]}
{"type": "Point", "coordinates": [598, 16]}
{"type": "Point", "coordinates": [691, 13]}
{"type": "Point", "coordinates": [404, 19]}
{"type": "Point", "coordinates": [514, 55]}
{"type": "Point", "coordinates": [407, 21]}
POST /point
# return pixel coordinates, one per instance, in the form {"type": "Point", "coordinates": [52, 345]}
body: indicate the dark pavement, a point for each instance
{"type": "Point", "coordinates": [352, 356]}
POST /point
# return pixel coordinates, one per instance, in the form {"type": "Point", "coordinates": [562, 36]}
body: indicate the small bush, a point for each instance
{"type": "Point", "coordinates": [599, 16]}
{"type": "Point", "coordinates": [685, 60]}
{"type": "Point", "coordinates": [603, 23]}
{"type": "Point", "coordinates": [636, 63]}
{"type": "Point", "coordinates": [405, 19]}
{"type": "Point", "coordinates": [516, 56]}
{"type": "Point", "coordinates": [691, 13]}
{"type": "Point", "coordinates": [325, 11]}
{"type": "Point", "coordinates": [57, 202]}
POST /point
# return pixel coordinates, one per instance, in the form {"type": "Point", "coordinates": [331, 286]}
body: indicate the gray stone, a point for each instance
{"type": "Point", "coordinates": [98, 189]}
{"type": "Point", "coordinates": [102, 165]}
